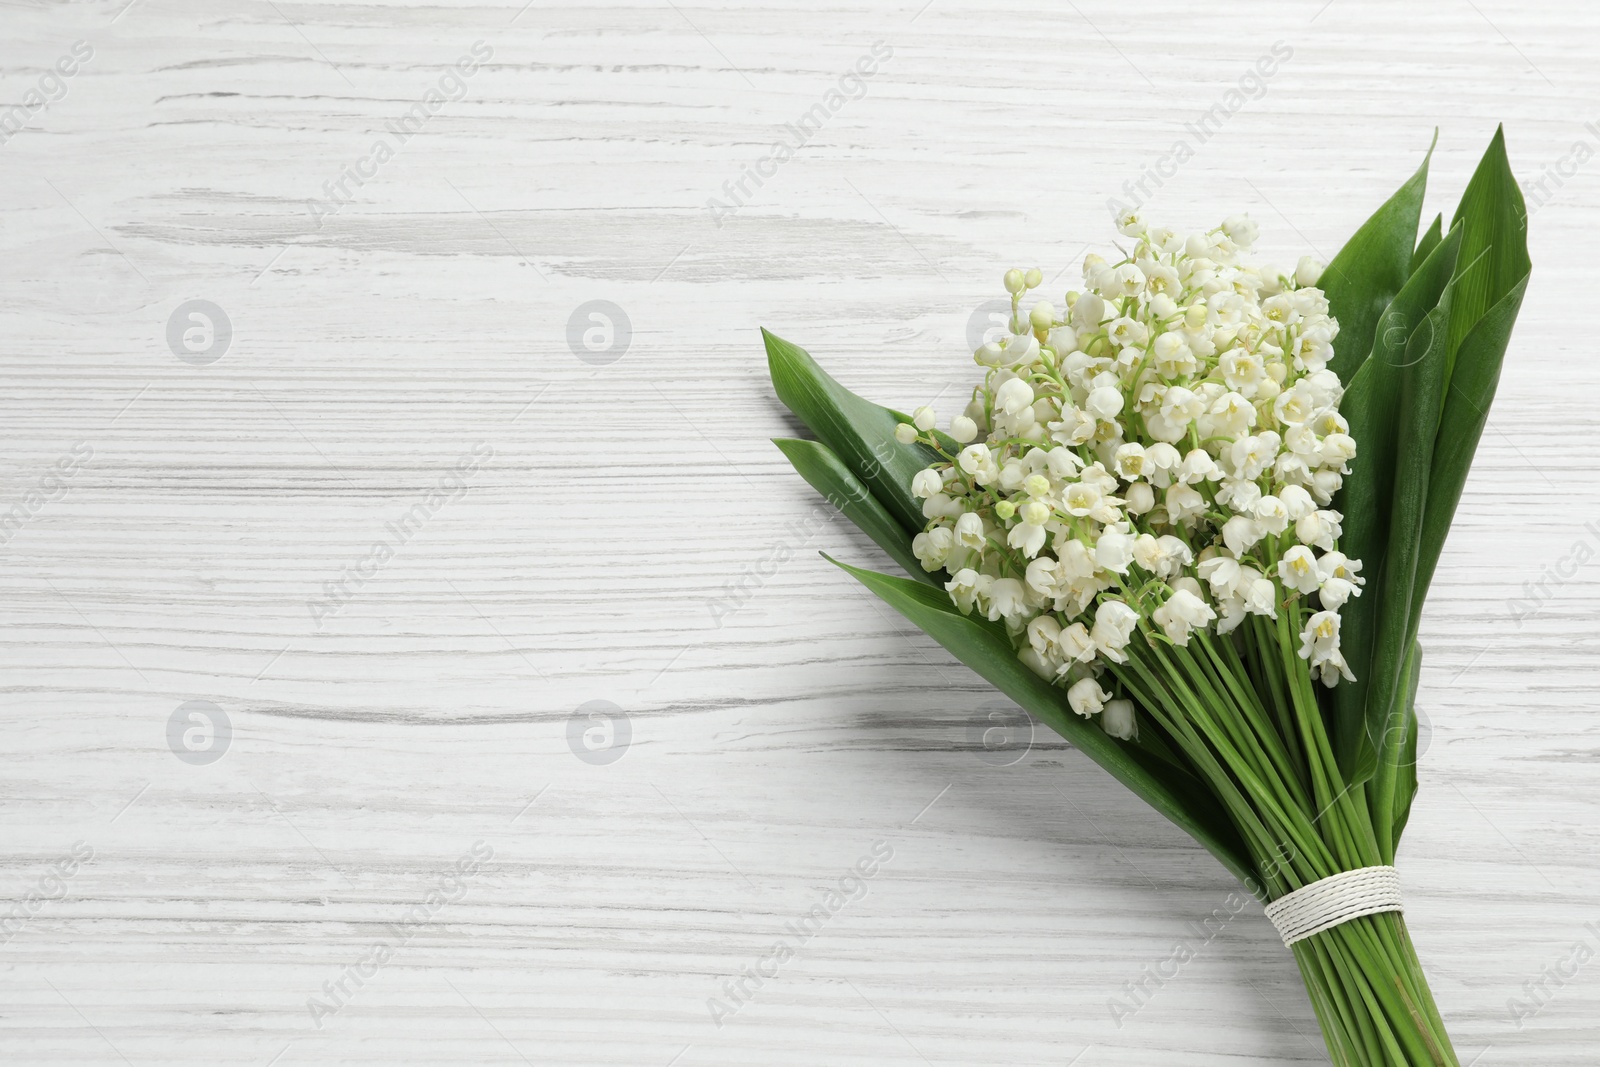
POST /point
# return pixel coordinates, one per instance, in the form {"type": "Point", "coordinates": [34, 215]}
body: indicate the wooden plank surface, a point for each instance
{"type": "Point", "coordinates": [408, 538]}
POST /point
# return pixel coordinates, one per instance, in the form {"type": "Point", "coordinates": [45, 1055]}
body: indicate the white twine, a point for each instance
{"type": "Point", "coordinates": [1337, 899]}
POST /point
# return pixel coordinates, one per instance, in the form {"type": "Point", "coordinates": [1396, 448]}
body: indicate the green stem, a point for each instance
{"type": "Point", "coordinates": [1367, 1014]}
{"type": "Point", "coordinates": [1249, 723]}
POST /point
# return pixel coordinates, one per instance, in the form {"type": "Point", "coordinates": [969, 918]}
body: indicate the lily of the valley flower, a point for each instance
{"type": "Point", "coordinates": [1183, 613]}
{"type": "Point", "coordinates": [1319, 644]}
{"type": "Point", "coordinates": [1151, 457]}
{"type": "Point", "coordinates": [1298, 570]}
{"type": "Point", "coordinates": [1117, 719]}
{"type": "Point", "coordinates": [1086, 697]}
{"type": "Point", "coordinates": [1114, 623]}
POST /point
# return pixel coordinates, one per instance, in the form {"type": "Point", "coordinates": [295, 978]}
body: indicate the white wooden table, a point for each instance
{"type": "Point", "coordinates": [263, 517]}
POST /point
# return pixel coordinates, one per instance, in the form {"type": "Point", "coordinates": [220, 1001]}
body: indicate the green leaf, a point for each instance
{"type": "Point", "coordinates": [1490, 277]}
{"type": "Point", "coordinates": [1489, 288]}
{"type": "Point", "coordinates": [1422, 385]}
{"type": "Point", "coordinates": [859, 432]}
{"type": "Point", "coordinates": [1495, 219]}
{"type": "Point", "coordinates": [1370, 270]}
{"type": "Point", "coordinates": [818, 465]}
{"type": "Point", "coordinates": [1429, 242]}
{"type": "Point", "coordinates": [984, 647]}
{"type": "Point", "coordinates": [1375, 407]}
{"type": "Point", "coordinates": [1406, 776]}
{"type": "Point", "coordinates": [1466, 411]}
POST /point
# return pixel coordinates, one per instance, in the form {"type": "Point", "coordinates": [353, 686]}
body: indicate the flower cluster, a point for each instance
{"type": "Point", "coordinates": [1154, 457]}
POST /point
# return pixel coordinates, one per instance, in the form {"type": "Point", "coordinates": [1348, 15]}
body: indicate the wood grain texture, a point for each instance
{"type": "Point", "coordinates": [632, 537]}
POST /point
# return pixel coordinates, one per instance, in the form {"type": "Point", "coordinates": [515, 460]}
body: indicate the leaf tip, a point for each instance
{"type": "Point", "coordinates": [857, 573]}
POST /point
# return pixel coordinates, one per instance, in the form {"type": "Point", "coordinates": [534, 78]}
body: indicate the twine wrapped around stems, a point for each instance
{"type": "Point", "coordinates": [1324, 904]}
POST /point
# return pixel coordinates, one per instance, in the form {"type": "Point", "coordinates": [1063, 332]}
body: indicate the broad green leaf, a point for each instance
{"type": "Point", "coordinates": [1429, 242]}
{"type": "Point", "coordinates": [1466, 410]}
{"type": "Point", "coordinates": [1490, 278]}
{"type": "Point", "coordinates": [1489, 288]}
{"type": "Point", "coordinates": [1422, 385]}
{"type": "Point", "coordinates": [1370, 269]}
{"type": "Point", "coordinates": [818, 465]}
{"type": "Point", "coordinates": [1406, 777]}
{"type": "Point", "coordinates": [984, 647]}
{"type": "Point", "coordinates": [859, 432]}
{"type": "Point", "coordinates": [1373, 405]}
{"type": "Point", "coordinates": [1495, 243]}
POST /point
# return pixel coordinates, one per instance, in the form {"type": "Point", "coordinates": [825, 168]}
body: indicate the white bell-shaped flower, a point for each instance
{"type": "Point", "coordinates": [1118, 720]}
{"type": "Point", "coordinates": [1182, 613]}
{"type": "Point", "coordinates": [1087, 698]}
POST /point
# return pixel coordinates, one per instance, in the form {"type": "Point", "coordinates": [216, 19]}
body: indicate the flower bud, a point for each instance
{"type": "Point", "coordinates": [1140, 497]}
{"type": "Point", "coordinates": [1035, 513]}
{"type": "Point", "coordinates": [963, 429]}
{"type": "Point", "coordinates": [923, 417]}
{"type": "Point", "coordinates": [1117, 719]}
{"type": "Point", "coordinates": [905, 433]}
{"type": "Point", "coordinates": [1114, 551]}
{"type": "Point", "coordinates": [1013, 281]}
{"type": "Point", "coordinates": [1020, 350]}
{"type": "Point", "coordinates": [1089, 311]}
{"type": "Point", "coordinates": [1296, 501]}
{"type": "Point", "coordinates": [1241, 230]}
{"type": "Point", "coordinates": [1105, 402]}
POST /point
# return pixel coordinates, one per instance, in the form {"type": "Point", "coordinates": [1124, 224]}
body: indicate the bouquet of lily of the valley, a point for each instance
{"type": "Point", "coordinates": [1188, 519]}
